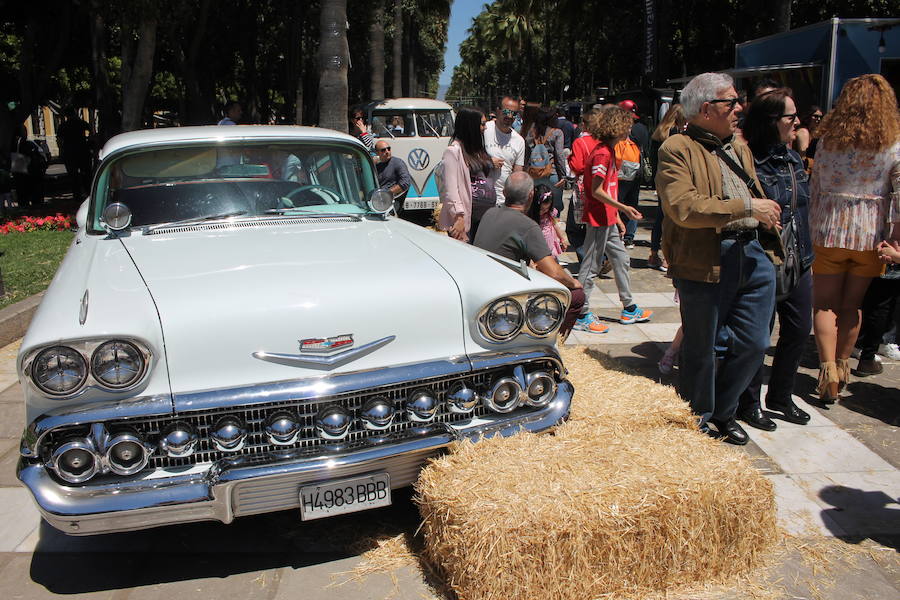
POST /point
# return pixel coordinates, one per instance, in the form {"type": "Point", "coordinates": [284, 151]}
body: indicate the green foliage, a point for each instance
{"type": "Point", "coordinates": [29, 261]}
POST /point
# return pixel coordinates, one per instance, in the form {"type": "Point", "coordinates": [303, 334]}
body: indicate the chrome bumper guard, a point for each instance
{"type": "Point", "coordinates": [239, 487]}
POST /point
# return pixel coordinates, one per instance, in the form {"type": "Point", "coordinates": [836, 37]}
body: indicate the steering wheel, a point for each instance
{"type": "Point", "coordinates": [315, 186]}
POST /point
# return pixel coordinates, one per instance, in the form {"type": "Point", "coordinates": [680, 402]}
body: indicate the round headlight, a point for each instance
{"type": "Point", "coordinates": [544, 313]}
{"type": "Point", "coordinates": [59, 370]}
{"type": "Point", "coordinates": [75, 461]}
{"type": "Point", "coordinates": [126, 454]}
{"type": "Point", "coordinates": [540, 388]}
{"type": "Point", "coordinates": [503, 319]}
{"type": "Point", "coordinates": [504, 395]}
{"type": "Point", "coordinates": [117, 364]}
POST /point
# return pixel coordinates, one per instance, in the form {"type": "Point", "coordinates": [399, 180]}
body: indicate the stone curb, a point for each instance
{"type": "Point", "coordinates": [15, 318]}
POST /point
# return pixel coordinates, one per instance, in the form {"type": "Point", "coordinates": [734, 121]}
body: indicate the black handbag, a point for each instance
{"type": "Point", "coordinates": [788, 273]}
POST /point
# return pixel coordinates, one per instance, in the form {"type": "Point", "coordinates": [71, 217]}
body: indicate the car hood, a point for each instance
{"type": "Point", "coordinates": [226, 294]}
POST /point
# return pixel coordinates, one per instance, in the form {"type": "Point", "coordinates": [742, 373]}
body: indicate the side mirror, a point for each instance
{"type": "Point", "coordinates": [117, 216]}
{"type": "Point", "coordinates": [81, 215]}
{"type": "Point", "coordinates": [381, 201]}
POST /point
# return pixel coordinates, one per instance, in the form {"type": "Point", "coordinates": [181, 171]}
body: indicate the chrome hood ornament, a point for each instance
{"type": "Point", "coordinates": [325, 353]}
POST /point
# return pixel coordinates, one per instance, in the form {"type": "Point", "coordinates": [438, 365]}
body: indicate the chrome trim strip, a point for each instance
{"type": "Point", "coordinates": [317, 361]}
{"type": "Point", "coordinates": [209, 496]}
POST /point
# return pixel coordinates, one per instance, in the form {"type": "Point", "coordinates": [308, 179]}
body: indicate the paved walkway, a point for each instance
{"type": "Point", "coordinates": [836, 477]}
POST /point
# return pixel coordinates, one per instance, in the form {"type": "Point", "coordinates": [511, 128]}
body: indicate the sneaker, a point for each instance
{"type": "Point", "coordinates": [890, 351]}
{"type": "Point", "coordinates": [589, 323]}
{"type": "Point", "coordinates": [629, 244]}
{"type": "Point", "coordinates": [656, 262]}
{"type": "Point", "coordinates": [638, 315]}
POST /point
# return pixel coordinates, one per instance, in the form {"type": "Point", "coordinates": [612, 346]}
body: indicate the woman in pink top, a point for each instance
{"type": "Point", "coordinates": [466, 176]}
{"type": "Point", "coordinates": [854, 207]}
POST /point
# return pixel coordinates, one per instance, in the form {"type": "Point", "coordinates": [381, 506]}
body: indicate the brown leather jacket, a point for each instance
{"type": "Point", "coordinates": [689, 184]}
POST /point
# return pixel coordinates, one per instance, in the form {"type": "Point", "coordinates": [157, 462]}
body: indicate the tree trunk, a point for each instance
{"type": "Point", "coordinates": [376, 53]}
{"type": "Point", "coordinates": [137, 68]}
{"type": "Point", "coordinates": [782, 15]}
{"type": "Point", "coordinates": [398, 49]}
{"type": "Point", "coordinates": [411, 62]}
{"type": "Point", "coordinates": [198, 109]}
{"type": "Point", "coordinates": [334, 54]}
{"type": "Point", "coordinates": [103, 95]}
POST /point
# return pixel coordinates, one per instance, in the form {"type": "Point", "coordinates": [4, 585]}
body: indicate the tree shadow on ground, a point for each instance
{"type": "Point", "coordinates": [78, 565]}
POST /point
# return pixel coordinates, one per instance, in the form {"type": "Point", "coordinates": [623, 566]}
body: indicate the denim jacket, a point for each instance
{"type": "Point", "coordinates": [774, 173]}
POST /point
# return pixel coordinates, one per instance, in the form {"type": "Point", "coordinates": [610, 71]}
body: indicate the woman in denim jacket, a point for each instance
{"type": "Point", "coordinates": [770, 128]}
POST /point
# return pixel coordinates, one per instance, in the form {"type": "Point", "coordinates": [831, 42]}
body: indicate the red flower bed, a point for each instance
{"type": "Point", "coordinates": [58, 222]}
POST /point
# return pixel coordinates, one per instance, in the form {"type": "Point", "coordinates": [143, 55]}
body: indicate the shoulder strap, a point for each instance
{"type": "Point", "coordinates": [739, 171]}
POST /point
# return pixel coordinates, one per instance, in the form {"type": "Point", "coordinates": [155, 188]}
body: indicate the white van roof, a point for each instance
{"type": "Point", "coordinates": [411, 104]}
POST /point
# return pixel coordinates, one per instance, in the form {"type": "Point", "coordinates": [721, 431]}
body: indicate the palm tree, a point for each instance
{"type": "Point", "coordinates": [334, 53]}
{"type": "Point", "coordinates": [398, 49]}
{"type": "Point", "coordinates": [376, 52]}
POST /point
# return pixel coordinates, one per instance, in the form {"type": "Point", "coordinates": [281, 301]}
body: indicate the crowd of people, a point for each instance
{"type": "Point", "coordinates": [766, 212]}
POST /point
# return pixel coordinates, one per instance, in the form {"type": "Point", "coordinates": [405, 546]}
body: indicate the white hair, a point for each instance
{"type": "Point", "coordinates": [703, 88]}
{"type": "Point", "coordinates": [518, 188]}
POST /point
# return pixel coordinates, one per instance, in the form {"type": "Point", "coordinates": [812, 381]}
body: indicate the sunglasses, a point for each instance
{"type": "Point", "coordinates": [508, 112]}
{"type": "Point", "coordinates": [383, 149]}
{"type": "Point", "coordinates": [816, 117]}
{"type": "Point", "coordinates": [731, 102]}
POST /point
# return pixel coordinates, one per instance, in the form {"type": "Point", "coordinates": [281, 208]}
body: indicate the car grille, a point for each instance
{"type": "Point", "coordinates": [309, 443]}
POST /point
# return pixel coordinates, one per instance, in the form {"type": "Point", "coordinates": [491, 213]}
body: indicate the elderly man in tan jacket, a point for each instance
{"type": "Point", "coordinates": [720, 241]}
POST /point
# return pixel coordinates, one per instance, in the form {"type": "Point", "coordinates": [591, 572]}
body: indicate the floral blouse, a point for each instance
{"type": "Point", "coordinates": [854, 197]}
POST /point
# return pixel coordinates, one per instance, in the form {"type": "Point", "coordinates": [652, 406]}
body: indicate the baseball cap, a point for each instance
{"type": "Point", "coordinates": [630, 106]}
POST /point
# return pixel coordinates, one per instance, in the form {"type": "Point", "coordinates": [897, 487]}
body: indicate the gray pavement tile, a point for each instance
{"type": "Point", "coordinates": [17, 580]}
{"type": "Point", "coordinates": [880, 439]}
{"type": "Point", "coordinates": [333, 581]}
{"type": "Point", "coordinates": [9, 457]}
{"type": "Point", "coordinates": [250, 585]}
{"type": "Point", "coordinates": [852, 577]}
{"type": "Point", "coordinates": [18, 517]}
{"type": "Point", "coordinates": [798, 514]}
{"type": "Point", "coordinates": [12, 419]}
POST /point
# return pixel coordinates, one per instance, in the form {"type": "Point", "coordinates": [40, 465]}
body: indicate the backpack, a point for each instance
{"type": "Point", "coordinates": [628, 156]}
{"type": "Point", "coordinates": [540, 164]}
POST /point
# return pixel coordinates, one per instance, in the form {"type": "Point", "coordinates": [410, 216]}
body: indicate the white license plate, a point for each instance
{"type": "Point", "coordinates": [344, 496]}
{"type": "Point", "coordinates": [419, 204]}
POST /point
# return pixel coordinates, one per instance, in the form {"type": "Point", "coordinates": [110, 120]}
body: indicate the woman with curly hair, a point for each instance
{"type": "Point", "coordinates": [854, 206]}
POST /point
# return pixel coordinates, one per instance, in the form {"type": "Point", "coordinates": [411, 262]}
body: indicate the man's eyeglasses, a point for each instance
{"type": "Point", "coordinates": [382, 149]}
{"type": "Point", "coordinates": [792, 117]}
{"type": "Point", "coordinates": [508, 112]}
{"type": "Point", "coordinates": [731, 102]}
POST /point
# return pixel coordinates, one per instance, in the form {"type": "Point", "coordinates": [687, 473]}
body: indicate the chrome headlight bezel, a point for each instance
{"type": "Point", "coordinates": [524, 301]}
{"type": "Point", "coordinates": [485, 317]}
{"type": "Point", "coordinates": [59, 348]}
{"type": "Point", "coordinates": [87, 349]}
{"type": "Point", "coordinates": [533, 306]}
{"type": "Point", "coordinates": [95, 367]}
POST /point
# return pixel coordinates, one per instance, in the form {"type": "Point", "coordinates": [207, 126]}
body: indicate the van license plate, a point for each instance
{"type": "Point", "coordinates": [344, 496]}
{"type": "Point", "coordinates": [419, 204]}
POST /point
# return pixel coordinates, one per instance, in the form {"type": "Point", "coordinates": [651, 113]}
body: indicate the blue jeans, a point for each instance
{"type": "Point", "coordinates": [726, 321]}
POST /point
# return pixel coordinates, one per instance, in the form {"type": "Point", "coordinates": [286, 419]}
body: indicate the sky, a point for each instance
{"type": "Point", "coordinates": [461, 14]}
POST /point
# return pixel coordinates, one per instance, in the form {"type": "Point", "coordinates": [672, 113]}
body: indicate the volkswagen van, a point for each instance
{"type": "Point", "coordinates": [419, 130]}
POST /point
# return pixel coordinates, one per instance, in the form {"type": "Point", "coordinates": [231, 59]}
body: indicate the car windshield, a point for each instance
{"type": "Point", "coordinates": [196, 182]}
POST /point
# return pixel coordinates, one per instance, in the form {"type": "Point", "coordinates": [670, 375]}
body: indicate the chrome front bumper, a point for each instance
{"type": "Point", "coordinates": [234, 488]}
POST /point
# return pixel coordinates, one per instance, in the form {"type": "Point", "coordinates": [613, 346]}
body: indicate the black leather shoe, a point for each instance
{"type": "Point", "coordinates": [790, 412]}
{"type": "Point", "coordinates": [869, 367]}
{"type": "Point", "coordinates": [731, 432]}
{"type": "Point", "coordinates": [755, 417]}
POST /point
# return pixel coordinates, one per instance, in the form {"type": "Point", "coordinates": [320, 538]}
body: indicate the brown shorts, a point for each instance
{"type": "Point", "coordinates": [837, 261]}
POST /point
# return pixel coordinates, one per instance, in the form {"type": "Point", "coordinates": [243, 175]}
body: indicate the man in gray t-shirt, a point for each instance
{"type": "Point", "coordinates": [506, 230]}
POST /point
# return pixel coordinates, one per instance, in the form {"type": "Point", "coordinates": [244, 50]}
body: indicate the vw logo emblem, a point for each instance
{"type": "Point", "coordinates": [418, 159]}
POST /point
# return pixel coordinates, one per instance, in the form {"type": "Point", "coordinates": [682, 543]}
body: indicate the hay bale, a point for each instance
{"type": "Point", "coordinates": [609, 394]}
{"type": "Point", "coordinates": [573, 516]}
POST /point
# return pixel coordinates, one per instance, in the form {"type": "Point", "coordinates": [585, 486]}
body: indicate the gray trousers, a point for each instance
{"type": "Point", "coordinates": [597, 242]}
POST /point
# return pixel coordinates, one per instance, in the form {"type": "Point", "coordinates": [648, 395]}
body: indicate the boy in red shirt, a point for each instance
{"type": "Point", "coordinates": [601, 206]}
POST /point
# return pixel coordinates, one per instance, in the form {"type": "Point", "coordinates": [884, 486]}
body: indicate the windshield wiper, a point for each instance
{"type": "Point", "coordinates": [235, 213]}
{"type": "Point", "coordinates": [300, 212]}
